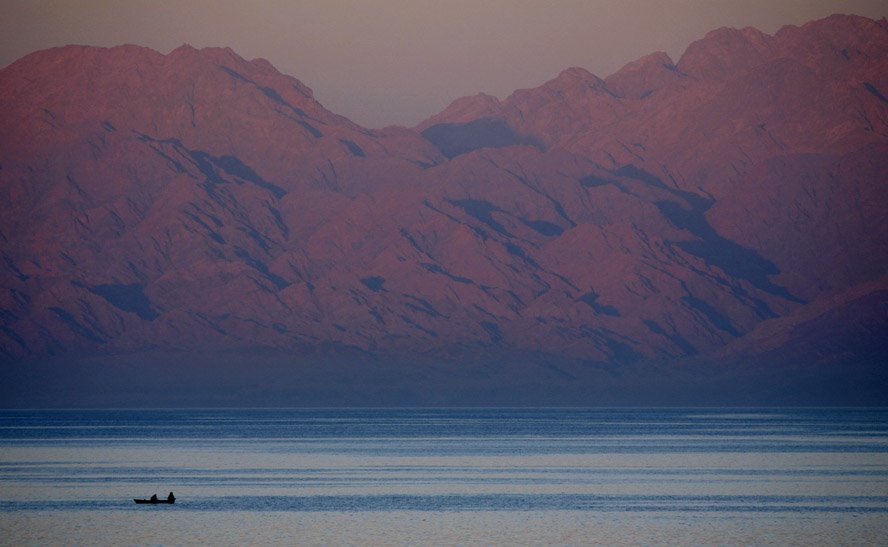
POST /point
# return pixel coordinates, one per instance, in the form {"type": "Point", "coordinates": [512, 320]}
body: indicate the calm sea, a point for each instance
{"type": "Point", "coordinates": [445, 477]}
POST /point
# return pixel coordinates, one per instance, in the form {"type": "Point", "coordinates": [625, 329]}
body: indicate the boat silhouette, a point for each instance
{"type": "Point", "coordinates": [154, 499]}
{"type": "Point", "coordinates": [137, 500]}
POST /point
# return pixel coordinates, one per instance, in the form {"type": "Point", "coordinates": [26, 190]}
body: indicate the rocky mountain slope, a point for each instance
{"type": "Point", "coordinates": [723, 213]}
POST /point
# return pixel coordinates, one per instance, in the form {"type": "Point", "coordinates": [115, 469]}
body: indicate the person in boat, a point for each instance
{"type": "Point", "coordinates": [171, 498]}
{"type": "Point", "coordinates": [153, 497]}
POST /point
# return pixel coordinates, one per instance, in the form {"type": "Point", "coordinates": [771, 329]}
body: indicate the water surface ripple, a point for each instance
{"type": "Point", "coordinates": [333, 476]}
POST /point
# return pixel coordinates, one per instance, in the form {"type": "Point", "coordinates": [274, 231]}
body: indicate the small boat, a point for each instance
{"type": "Point", "coordinates": [152, 502]}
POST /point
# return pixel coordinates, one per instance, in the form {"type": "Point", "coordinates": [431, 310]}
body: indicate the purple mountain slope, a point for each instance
{"type": "Point", "coordinates": [195, 228]}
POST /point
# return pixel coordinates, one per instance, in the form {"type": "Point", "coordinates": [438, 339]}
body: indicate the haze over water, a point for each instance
{"type": "Point", "coordinates": [493, 476]}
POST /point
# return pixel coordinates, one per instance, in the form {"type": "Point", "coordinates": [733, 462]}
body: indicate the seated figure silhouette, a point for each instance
{"type": "Point", "coordinates": [154, 497]}
{"type": "Point", "coordinates": [171, 498]}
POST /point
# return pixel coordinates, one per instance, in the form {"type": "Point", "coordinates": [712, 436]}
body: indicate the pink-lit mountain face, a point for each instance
{"type": "Point", "coordinates": [715, 225]}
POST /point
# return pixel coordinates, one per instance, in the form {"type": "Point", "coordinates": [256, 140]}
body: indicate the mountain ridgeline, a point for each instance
{"type": "Point", "coordinates": [195, 228]}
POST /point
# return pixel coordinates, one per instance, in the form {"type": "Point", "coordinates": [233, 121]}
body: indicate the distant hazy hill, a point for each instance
{"type": "Point", "coordinates": [712, 230]}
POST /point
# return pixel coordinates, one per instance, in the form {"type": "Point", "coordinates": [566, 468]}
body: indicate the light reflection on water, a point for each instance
{"type": "Point", "coordinates": [445, 476]}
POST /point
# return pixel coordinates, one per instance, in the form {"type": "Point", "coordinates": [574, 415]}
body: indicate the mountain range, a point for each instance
{"type": "Point", "coordinates": [196, 228]}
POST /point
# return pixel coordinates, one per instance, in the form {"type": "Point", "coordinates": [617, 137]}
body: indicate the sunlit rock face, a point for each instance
{"type": "Point", "coordinates": [197, 201]}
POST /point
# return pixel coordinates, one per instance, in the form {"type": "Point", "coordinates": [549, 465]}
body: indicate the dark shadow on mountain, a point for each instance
{"type": "Point", "coordinates": [875, 91]}
{"type": "Point", "coordinates": [374, 283]}
{"type": "Point", "coordinates": [262, 268]}
{"type": "Point", "coordinates": [234, 166]}
{"type": "Point", "coordinates": [353, 148]}
{"type": "Point", "coordinates": [435, 268]}
{"type": "Point", "coordinates": [482, 211]}
{"type": "Point", "coordinates": [76, 326]}
{"type": "Point", "coordinates": [454, 139]}
{"type": "Point", "coordinates": [716, 250]}
{"type": "Point", "coordinates": [543, 227]}
{"type": "Point", "coordinates": [676, 339]}
{"type": "Point", "coordinates": [712, 315]}
{"type": "Point", "coordinates": [591, 300]}
{"type": "Point", "coordinates": [129, 298]}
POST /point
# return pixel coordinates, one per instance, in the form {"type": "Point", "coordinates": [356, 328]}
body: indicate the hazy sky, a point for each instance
{"type": "Point", "coordinates": [398, 61]}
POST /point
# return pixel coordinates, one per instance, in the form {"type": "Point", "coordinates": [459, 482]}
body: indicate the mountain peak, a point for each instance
{"type": "Point", "coordinates": [724, 51]}
{"type": "Point", "coordinates": [197, 98]}
{"type": "Point", "coordinates": [185, 48]}
{"type": "Point", "coordinates": [570, 83]}
{"type": "Point", "coordinates": [844, 22]}
{"type": "Point", "coordinates": [465, 109]}
{"type": "Point", "coordinates": [580, 75]}
{"type": "Point", "coordinates": [125, 68]}
{"type": "Point", "coordinates": [836, 43]}
{"type": "Point", "coordinates": [642, 77]}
